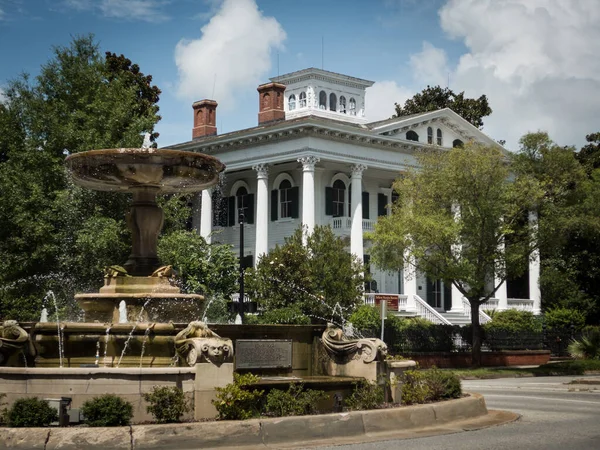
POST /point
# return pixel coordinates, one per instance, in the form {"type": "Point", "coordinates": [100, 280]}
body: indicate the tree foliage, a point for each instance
{"type": "Point", "coordinates": [461, 217]}
{"type": "Point", "coordinates": [79, 101]}
{"type": "Point", "coordinates": [320, 280]}
{"type": "Point", "coordinates": [433, 98]}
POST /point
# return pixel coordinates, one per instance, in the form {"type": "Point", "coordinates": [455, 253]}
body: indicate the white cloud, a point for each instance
{"type": "Point", "coordinates": [144, 10]}
{"type": "Point", "coordinates": [232, 54]}
{"type": "Point", "coordinates": [380, 99]}
{"type": "Point", "coordinates": [536, 60]}
{"type": "Point", "coordinates": [430, 66]}
{"type": "Point", "coordinates": [2, 96]}
{"type": "Point", "coordinates": [2, 15]}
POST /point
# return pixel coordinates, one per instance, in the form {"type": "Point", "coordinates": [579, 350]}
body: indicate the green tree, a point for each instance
{"type": "Point", "coordinates": [459, 218]}
{"type": "Point", "coordinates": [319, 280]}
{"type": "Point", "coordinates": [589, 155]}
{"type": "Point", "coordinates": [436, 97]}
{"type": "Point", "coordinates": [79, 101]}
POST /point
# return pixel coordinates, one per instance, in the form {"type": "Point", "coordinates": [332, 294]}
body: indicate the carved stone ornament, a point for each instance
{"type": "Point", "coordinates": [308, 162]}
{"type": "Point", "coordinates": [13, 339]}
{"type": "Point", "coordinates": [262, 170]}
{"type": "Point", "coordinates": [340, 347]}
{"type": "Point", "coordinates": [199, 344]}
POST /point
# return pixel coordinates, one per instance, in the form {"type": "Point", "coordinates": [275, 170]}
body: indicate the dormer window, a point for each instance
{"type": "Point", "coordinates": [322, 100]}
{"type": "Point", "coordinates": [352, 107]}
{"type": "Point", "coordinates": [332, 102]}
{"type": "Point", "coordinates": [412, 135]}
{"type": "Point", "coordinates": [292, 102]}
{"type": "Point", "coordinates": [302, 98]}
{"type": "Point", "coordinates": [439, 136]}
{"type": "Point", "coordinates": [343, 104]}
{"type": "Point", "coordinates": [429, 135]}
{"type": "Point", "coordinates": [457, 143]}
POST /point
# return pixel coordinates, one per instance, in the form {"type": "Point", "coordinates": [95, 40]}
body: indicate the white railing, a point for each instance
{"type": "Point", "coordinates": [369, 299]}
{"type": "Point", "coordinates": [520, 304]}
{"type": "Point", "coordinates": [368, 225]}
{"type": "Point", "coordinates": [491, 304]}
{"type": "Point", "coordinates": [425, 311]}
{"type": "Point", "coordinates": [345, 223]}
{"type": "Point", "coordinates": [402, 302]}
{"type": "Point", "coordinates": [236, 297]}
{"type": "Point", "coordinates": [483, 317]}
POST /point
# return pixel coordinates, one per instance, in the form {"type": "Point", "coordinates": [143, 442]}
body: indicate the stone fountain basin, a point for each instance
{"type": "Point", "coordinates": [125, 169]}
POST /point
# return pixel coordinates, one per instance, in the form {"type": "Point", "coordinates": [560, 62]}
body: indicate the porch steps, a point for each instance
{"type": "Point", "coordinates": [456, 318]}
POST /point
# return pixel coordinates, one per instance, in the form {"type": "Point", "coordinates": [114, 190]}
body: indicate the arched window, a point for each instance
{"type": "Point", "coordinates": [429, 135]}
{"type": "Point", "coordinates": [457, 143]}
{"type": "Point", "coordinates": [242, 203]}
{"type": "Point", "coordinates": [352, 107]}
{"type": "Point", "coordinates": [439, 136]}
{"type": "Point", "coordinates": [339, 197]}
{"type": "Point", "coordinates": [302, 98]}
{"type": "Point", "coordinates": [343, 104]}
{"type": "Point", "coordinates": [292, 102]}
{"type": "Point", "coordinates": [285, 201]}
{"type": "Point", "coordinates": [412, 135]}
{"type": "Point", "coordinates": [332, 102]}
{"type": "Point", "coordinates": [322, 100]}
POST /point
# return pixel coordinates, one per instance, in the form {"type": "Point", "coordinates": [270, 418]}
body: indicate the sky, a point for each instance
{"type": "Point", "coordinates": [538, 61]}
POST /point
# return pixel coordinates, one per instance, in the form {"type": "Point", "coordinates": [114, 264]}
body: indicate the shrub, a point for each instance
{"type": "Point", "coordinates": [419, 335]}
{"type": "Point", "coordinates": [442, 384]}
{"type": "Point", "coordinates": [367, 319]}
{"type": "Point", "coordinates": [3, 410]}
{"type": "Point", "coordinates": [236, 401]}
{"type": "Point", "coordinates": [294, 402]}
{"type": "Point", "coordinates": [414, 390]}
{"type": "Point", "coordinates": [167, 404]}
{"type": "Point", "coordinates": [366, 395]}
{"type": "Point", "coordinates": [561, 318]}
{"type": "Point", "coordinates": [107, 410]}
{"type": "Point", "coordinates": [31, 412]}
{"type": "Point", "coordinates": [514, 321]}
{"type": "Point", "coordinates": [588, 347]}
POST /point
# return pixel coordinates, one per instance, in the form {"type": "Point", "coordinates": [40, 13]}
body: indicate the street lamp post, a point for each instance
{"type": "Point", "coordinates": [241, 300]}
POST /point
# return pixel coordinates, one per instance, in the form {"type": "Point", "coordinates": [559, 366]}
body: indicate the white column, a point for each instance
{"type": "Point", "coordinates": [206, 215]}
{"type": "Point", "coordinates": [356, 231]}
{"type": "Point", "coordinates": [457, 296]}
{"type": "Point", "coordinates": [308, 191]}
{"type": "Point", "coordinates": [409, 280]}
{"type": "Point", "coordinates": [262, 210]}
{"type": "Point", "coordinates": [534, 271]}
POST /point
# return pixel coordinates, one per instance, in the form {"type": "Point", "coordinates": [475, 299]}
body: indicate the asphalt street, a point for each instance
{"type": "Point", "coordinates": [554, 415]}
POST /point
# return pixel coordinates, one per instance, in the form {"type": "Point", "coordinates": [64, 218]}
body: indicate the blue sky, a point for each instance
{"type": "Point", "coordinates": [537, 60]}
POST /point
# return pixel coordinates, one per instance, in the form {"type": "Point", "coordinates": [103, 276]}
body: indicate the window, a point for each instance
{"type": "Point", "coordinates": [285, 201]}
{"type": "Point", "coordinates": [322, 100]}
{"type": "Point", "coordinates": [302, 98]}
{"type": "Point", "coordinates": [332, 102]}
{"type": "Point", "coordinates": [412, 136]}
{"type": "Point", "coordinates": [429, 135]}
{"type": "Point", "coordinates": [292, 102]}
{"type": "Point", "coordinates": [352, 107]}
{"type": "Point", "coordinates": [457, 143]}
{"type": "Point", "coordinates": [339, 197]}
{"type": "Point", "coordinates": [343, 104]}
{"type": "Point", "coordinates": [439, 136]}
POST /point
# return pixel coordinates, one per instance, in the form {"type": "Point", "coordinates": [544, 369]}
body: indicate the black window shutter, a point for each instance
{"type": "Point", "coordinates": [221, 212]}
{"type": "Point", "coordinates": [350, 201]}
{"type": "Point", "coordinates": [365, 205]}
{"type": "Point", "coordinates": [274, 204]}
{"type": "Point", "coordinates": [381, 204]}
{"type": "Point", "coordinates": [230, 211]}
{"type": "Point", "coordinates": [294, 194]}
{"type": "Point", "coordinates": [329, 201]}
{"type": "Point", "coordinates": [249, 209]}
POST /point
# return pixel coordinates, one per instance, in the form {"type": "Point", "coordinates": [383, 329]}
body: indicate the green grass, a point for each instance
{"type": "Point", "coordinates": [577, 367]}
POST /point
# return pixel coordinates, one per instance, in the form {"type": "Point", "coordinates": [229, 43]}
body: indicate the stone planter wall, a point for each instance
{"type": "Point", "coordinates": [489, 359]}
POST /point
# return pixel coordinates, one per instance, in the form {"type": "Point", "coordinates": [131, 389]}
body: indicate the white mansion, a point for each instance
{"type": "Point", "coordinates": [314, 159]}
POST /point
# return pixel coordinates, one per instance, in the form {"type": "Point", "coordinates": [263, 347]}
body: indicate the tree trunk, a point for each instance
{"type": "Point", "coordinates": [476, 350]}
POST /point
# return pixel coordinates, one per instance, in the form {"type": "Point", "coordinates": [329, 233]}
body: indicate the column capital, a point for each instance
{"type": "Point", "coordinates": [262, 170]}
{"type": "Point", "coordinates": [357, 170]}
{"type": "Point", "coordinates": [308, 162]}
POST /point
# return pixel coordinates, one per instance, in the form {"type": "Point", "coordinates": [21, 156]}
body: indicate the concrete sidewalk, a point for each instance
{"type": "Point", "coordinates": [286, 432]}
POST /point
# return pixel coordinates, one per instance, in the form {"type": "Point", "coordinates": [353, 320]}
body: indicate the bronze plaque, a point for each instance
{"type": "Point", "coordinates": [263, 354]}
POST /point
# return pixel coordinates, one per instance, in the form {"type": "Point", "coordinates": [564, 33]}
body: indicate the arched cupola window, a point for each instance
{"type": "Point", "coordinates": [439, 136]}
{"type": "Point", "coordinates": [343, 104]}
{"type": "Point", "coordinates": [332, 102]}
{"type": "Point", "coordinates": [292, 102]}
{"type": "Point", "coordinates": [352, 107]}
{"type": "Point", "coordinates": [412, 135]}
{"type": "Point", "coordinates": [322, 100]}
{"type": "Point", "coordinates": [429, 135]}
{"type": "Point", "coordinates": [457, 143]}
{"type": "Point", "coordinates": [302, 98]}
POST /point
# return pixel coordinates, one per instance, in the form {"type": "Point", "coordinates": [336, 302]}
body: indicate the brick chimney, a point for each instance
{"type": "Point", "coordinates": [270, 102]}
{"type": "Point", "coordinates": [205, 119]}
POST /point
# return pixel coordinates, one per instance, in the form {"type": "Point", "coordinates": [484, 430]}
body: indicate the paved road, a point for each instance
{"type": "Point", "coordinates": [555, 416]}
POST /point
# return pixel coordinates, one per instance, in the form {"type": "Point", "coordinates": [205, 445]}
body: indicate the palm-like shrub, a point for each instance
{"type": "Point", "coordinates": [588, 347]}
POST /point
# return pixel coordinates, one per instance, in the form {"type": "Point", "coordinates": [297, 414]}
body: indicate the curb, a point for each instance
{"type": "Point", "coordinates": [250, 433]}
